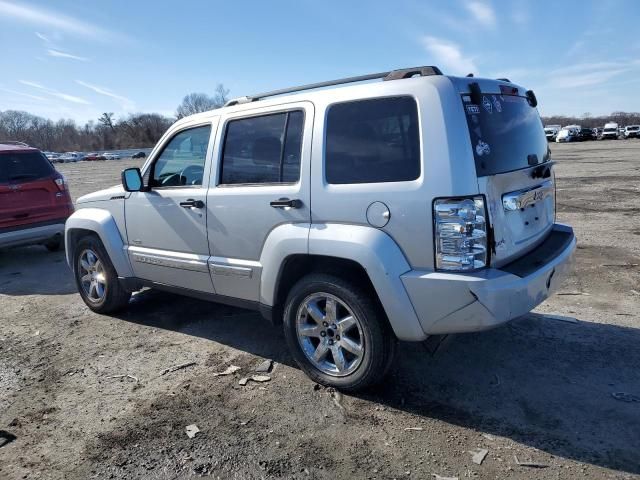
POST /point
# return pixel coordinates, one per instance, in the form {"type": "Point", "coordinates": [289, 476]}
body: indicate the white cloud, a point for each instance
{"type": "Point", "coordinates": [482, 13]}
{"type": "Point", "coordinates": [57, 53]}
{"type": "Point", "coordinates": [43, 37]}
{"type": "Point", "coordinates": [126, 103]}
{"type": "Point", "coordinates": [449, 56]}
{"type": "Point", "coordinates": [56, 93]}
{"type": "Point", "coordinates": [14, 92]}
{"type": "Point", "coordinates": [589, 74]}
{"type": "Point", "coordinates": [50, 18]}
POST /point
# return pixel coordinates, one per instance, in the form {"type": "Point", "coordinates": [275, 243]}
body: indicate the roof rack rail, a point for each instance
{"type": "Point", "coordinates": [13, 142]}
{"type": "Point", "coordinates": [385, 76]}
{"type": "Point", "coordinates": [504, 80]}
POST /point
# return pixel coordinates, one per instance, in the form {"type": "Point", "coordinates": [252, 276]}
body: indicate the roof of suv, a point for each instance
{"type": "Point", "coordinates": [313, 91]}
{"type": "Point", "coordinates": [9, 147]}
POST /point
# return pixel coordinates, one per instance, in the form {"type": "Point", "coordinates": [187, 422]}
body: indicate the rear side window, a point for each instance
{"type": "Point", "coordinates": [263, 149]}
{"type": "Point", "coordinates": [372, 141]}
{"type": "Point", "coordinates": [19, 167]}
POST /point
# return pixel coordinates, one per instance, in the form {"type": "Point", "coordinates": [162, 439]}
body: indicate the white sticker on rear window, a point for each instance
{"type": "Point", "coordinates": [487, 105]}
{"type": "Point", "coordinates": [472, 109]}
{"type": "Point", "coordinates": [496, 104]}
{"type": "Point", "coordinates": [482, 148]}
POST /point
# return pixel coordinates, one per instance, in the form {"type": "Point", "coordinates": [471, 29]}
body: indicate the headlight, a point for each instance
{"type": "Point", "coordinates": [460, 231]}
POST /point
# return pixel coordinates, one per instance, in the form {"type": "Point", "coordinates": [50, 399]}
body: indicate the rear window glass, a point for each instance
{"type": "Point", "coordinates": [506, 133]}
{"type": "Point", "coordinates": [19, 167]}
{"type": "Point", "coordinates": [373, 141]}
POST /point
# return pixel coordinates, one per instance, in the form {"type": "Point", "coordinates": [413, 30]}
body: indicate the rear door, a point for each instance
{"type": "Point", "coordinates": [28, 193]}
{"type": "Point", "coordinates": [513, 165]}
{"type": "Point", "coordinates": [261, 182]}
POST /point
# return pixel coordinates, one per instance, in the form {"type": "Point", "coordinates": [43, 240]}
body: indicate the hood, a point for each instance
{"type": "Point", "coordinates": [102, 195]}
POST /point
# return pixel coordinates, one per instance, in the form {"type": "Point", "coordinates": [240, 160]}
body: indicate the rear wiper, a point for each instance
{"type": "Point", "coordinates": [543, 170]}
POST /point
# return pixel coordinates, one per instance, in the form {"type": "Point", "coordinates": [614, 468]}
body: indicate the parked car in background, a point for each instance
{"type": "Point", "coordinates": [567, 134]}
{"type": "Point", "coordinates": [139, 155]}
{"type": "Point", "coordinates": [34, 199]}
{"type": "Point", "coordinates": [70, 157]}
{"type": "Point", "coordinates": [52, 156]}
{"type": "Point", "coordinates": [598, 132]}
{"type": "Point", "coordinates": [384, 230]}
{"type": "Point", "coordinates": [610, 131]}
{"type": "Point", "coordinates": [111, 156]}
{"type": "Point", "coordinates": [585, 134]}
{"type": "Point", "coordinates": [551, 132]}
{"type": "Point", "coordinates": [94, 156]}
{"type": "Point", "coordinates": [632, 131]}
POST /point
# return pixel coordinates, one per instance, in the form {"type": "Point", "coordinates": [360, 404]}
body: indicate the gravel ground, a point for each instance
{"type": "Point", "coordinates": [541, 389]}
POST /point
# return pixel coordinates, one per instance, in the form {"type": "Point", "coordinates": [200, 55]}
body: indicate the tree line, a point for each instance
{"type": "Point", "coordinates": [138, 130]}
{"type": "Point", "coordinates": [589, 121]}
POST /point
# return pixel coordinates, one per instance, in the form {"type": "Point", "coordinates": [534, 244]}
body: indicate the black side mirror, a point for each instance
{"type": "Point", "coordinates": [132, 180]}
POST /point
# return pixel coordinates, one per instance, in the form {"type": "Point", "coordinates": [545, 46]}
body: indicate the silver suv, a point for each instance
{"type": "Point", "coordinates": [360, 215]}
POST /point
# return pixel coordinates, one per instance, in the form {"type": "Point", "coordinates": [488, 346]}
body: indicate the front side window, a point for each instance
{"type": "Point", "coordinates": [264, 149]}
{"type": "Point", "coordinates": [181, 163]}
{"type": "Point", "coordinates": [373, 141]}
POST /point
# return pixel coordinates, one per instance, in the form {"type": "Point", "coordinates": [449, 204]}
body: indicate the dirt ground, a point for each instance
{"type": "Point", "coordinates": [561, 395]}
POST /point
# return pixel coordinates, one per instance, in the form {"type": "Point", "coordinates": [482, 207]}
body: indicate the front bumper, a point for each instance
{"type": "Point", "coordinates": [459, 302]}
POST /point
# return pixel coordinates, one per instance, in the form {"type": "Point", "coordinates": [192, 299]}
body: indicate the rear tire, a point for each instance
{"type": "Point", "coordinates": [96, 278]}
{"type": "Point", "coordinates": [313, 329]}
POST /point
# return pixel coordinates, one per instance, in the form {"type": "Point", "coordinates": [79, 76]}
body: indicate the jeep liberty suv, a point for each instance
{"type": "Point", "coordinates": [418, 205]}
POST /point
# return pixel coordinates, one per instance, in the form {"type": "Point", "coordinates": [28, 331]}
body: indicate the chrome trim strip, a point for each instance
{"type": "Point", "coordinates": [521, 198]}
{"type": "Point", "coordinates": [228, 270]}
{"type": "Point", "coordinates": [168, 259]}
{"type": "Point", "coordinates": [232, 267]}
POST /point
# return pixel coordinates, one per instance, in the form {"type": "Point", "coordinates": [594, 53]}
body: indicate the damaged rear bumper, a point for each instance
{"type": "Point", "coordinates": [460, 302]}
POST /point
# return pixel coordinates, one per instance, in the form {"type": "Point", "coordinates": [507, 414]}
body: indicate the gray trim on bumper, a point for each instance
{"type": "Point", "coordinates": [27, 236]}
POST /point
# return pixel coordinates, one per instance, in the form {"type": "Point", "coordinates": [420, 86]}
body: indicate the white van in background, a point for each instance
{"type": "Point", "coordinates": [610, 131]}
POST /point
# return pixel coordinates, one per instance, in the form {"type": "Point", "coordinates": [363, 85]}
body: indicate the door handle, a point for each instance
{"type": "Point", "coordinates": [191, 203]}
{"type": "Point", "coordinates": [286, 203]}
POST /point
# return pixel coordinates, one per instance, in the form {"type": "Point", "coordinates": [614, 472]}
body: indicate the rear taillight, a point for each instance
{"type": "Point", "coordinates": [460, 231]}
{"type": "Point", "coordinates": [60, 182]}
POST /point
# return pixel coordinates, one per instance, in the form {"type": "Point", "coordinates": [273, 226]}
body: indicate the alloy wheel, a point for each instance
{"type": "Point", "coordinates": [330, 335]}
{"type": "Point", "coordinates": [92, 276]}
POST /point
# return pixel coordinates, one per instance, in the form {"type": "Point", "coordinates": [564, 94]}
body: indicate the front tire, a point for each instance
{"type": "Point", "coordinates": [96, 277]}
{"type": "Point", "coordinates": [338, 333]}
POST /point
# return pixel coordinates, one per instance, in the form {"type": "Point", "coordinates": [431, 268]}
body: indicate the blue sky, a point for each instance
{"type": "Point", "coordinates": [77, 59]}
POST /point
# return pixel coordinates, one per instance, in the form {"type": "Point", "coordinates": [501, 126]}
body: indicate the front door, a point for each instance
{"type": "Point", "coordinates": [167, 224]}
{"type": "Point", "coordinates": [261, 183]}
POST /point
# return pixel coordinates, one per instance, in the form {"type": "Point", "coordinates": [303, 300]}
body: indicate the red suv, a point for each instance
{"type": "Point", "coordinates": [34, 198]}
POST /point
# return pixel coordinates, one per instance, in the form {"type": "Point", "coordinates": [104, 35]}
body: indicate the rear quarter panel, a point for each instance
{"type": "Point", "coordinates": [447, 167]}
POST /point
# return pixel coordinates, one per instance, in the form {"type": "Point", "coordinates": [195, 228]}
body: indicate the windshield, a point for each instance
{"type": "Point", "coordinates": [506, 133]}
{"type": "Point", "coordinates": [610, 129]}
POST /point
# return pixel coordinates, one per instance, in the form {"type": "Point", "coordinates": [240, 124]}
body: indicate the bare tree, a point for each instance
{"type": "Point", "coordinates": [221, 95]}
{"type": "Point", "coordinates": [201, 102]}
{"type": "Point", "coordinates": [106, 119]}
